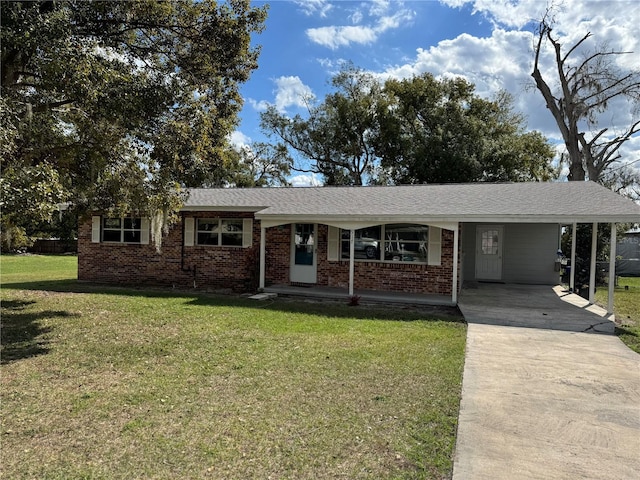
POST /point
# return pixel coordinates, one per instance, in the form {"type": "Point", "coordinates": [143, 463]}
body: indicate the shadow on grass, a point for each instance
{"type": "Point", "coordinates": [22, 334]}
{"type": "Point", "coordinates": [322, 307]}
{"type": "Point", "coordinates": [629, 337]}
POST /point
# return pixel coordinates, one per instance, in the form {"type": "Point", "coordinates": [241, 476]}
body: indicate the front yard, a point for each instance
{"type": "Point", "coordinates": [626, 308]}
{"type": "Point", "coordinates": [114, 383]}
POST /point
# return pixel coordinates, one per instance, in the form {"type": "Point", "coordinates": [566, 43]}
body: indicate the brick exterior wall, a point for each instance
{"type": "Point", "coordinates": [206, 267]}
{"type": "Point", "coordinates": [237, 268]}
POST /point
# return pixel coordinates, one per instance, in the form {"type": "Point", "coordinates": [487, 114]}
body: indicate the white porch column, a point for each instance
{"type": "Point", "coordinates": [612, 267]}
{"type": "Point", "coordinates": [352, 254]}
{"type": "Point", "coordinates": [572, 273]}
{"type": "Point", "coordinates": [263, 243]}
{"type": "Point", "coordinates": [592, 270]}
{"type": "Point", "coordinates": [454, 290]}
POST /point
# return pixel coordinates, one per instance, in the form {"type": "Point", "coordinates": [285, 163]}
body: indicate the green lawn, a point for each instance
{"type": "Point", "coordinates": [626, 308]}
{"type": "Point", "coordinates": [108, 383]}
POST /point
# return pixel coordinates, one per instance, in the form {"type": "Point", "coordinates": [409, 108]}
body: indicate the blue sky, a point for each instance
{"type": "Point", "coordinates": [489, 42]}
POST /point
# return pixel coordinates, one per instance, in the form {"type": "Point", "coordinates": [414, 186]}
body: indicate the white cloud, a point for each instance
{"type": "Point", "coordinates": [239, 139]}
{"type": "Point", "coordinates": [290, 91]}
{"type": "Point", "coordinates": [314, 7]}
{"type": "Point", "coordinates": [259, 106]}
{"type": "Point", "coordinates": [311, 180]}
{"type": "Point", "coordinates": [381, 20]}
{"type": "Point", "coordinates": [335, 37]}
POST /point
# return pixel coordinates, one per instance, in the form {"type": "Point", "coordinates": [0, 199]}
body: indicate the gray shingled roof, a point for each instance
{"type": "Point", "coordinates": [534, 202]}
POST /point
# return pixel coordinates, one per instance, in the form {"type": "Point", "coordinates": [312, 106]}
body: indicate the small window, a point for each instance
{"type": "Point", "coordinates": [122, 230]}
{"type": "Point", "coordinates": [220, 232]}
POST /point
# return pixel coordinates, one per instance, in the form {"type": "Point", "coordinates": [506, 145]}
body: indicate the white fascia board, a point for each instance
{"type": "Point", "coordinates": [199, 208]}
{"type": "Point", "coordinates": [559, 219]}
{"type": "Point", "coordinates": [354, 223]}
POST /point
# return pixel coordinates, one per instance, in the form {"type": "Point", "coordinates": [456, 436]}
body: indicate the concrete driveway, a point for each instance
{"type": "Point", "coordinates": [547, 393]}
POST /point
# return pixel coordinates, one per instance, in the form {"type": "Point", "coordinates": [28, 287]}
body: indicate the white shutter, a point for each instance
{"type": "Point", "coordinates": [189, 231]}
{"type": "Point", "coordinates": [144, 230]}
{"type": "Point", "coordinates": [333, 244]}
{"type": "Point", "coordinates": [435, 245]}
{"type": "Point", "coordinates": [247, 232]}
{"type": "Point", "coordinates": [95, 229]}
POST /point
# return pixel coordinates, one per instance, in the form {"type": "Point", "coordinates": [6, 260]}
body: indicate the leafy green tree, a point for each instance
{"type": "Point", "coordinates": [439, 131]}
{"type": "Point", "coordinates": [126, 101]}
{"type": "Point", "coordinates": [419, 130]}
{"type": "Point", "coordinates": [336, 139]}
{"type": "Point", "coordinates": [262, 165]}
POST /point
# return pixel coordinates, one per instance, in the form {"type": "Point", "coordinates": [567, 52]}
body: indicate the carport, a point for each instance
{"type": "Point", "coordinates": [532, 306]}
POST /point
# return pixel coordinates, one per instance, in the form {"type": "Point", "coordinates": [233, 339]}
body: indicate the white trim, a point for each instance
{"type": "Point", "coordinates": [612, 267]}
{"type": "Point", "coordinates": [447, 222]}
{"type": "Point", "coordinates": [592, 270]}
{"type": "Point", "coordinates": [572, 273]}
{"type": "Point", "coordinates": [333, 244]}
{"type": "Point", "coordinates": [352, 254]}
{"type": "Point", "coordinates": [189, 231]}
{"type": "Point", "coordinates": [454, 287]}
{"type": "Point", "coordinates": [263, 248]}
{"type": "Point", "coordinates": [144, 231]}
{"type": "Point", "coordinates": [96, 223]}
{"type": "Point", "coordinates": [247, 232]}
{"type": "Point", "coordinates": [434, 249]}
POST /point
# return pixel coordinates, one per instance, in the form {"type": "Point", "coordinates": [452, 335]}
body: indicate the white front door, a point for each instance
{"type": "Point", "coordinates": [489, 252]}
{"type": "Point", "coordinates": [303, 253]}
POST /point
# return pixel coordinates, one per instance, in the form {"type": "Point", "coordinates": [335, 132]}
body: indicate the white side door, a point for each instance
{"type": "Point", "coordinates": [489, 239]}
{"type": "Point", "coordinates": [303, 253]}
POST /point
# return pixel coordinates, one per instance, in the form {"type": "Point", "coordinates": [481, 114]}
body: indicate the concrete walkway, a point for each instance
{"type": "Point", "coordinates": [545, 395]}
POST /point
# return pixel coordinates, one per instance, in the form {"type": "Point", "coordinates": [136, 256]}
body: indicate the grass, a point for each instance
{"type": "Point", "coordinates": [626, 308]}
{"type": "Point", "coordinates": [109, 383]}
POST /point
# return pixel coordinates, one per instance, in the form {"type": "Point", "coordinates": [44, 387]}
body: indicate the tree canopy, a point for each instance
{"type": "Point", "coordinates": [418, 130]}
{"type": "Point", "coordinates": [116, 105]}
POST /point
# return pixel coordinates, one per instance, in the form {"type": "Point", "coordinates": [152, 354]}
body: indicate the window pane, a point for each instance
{"type": "Point", "coordinates": [207, 238]}
{"type": "Point", "coordinates": [208, 225]}
{"type": "Point", "coordinates": [132, 236]}
{"type": "Point", "coordinates": [406, 243]}
{"type": "Point", "coordinates": [232, 226]}
{"type": "Point", "coordinates": [490, 242]}
{"type": "Point", "coordinates": [366, 243]}
{"type": "Point", "coordinates": [132, 223]}
{"type": "Point", "coordinates": [111, 235]}
{"type": "Point", "coordinates": [111, 223]}
{"type": "Point", "coordinates": [232, 239]}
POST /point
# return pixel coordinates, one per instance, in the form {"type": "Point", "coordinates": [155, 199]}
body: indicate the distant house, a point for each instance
{"type": "Point", "coordinates": [628, 253]}
{"type": "Point", "coordinates": [422, 239]}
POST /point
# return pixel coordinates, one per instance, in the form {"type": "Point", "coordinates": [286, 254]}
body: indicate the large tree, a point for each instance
{"type": "Point", "coordinates": [418, 130]}
{"type": "Point", "coordinates": [440, 131]}
{"type": "Point", "coordinates": [584, 84]}
{"type": "Point", "coordinates": [335, 138]}
{"type": "Point", "coordinates": [125, 101]}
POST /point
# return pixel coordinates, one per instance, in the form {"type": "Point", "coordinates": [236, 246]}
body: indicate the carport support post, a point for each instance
{"type": "Point", "coordinates": [592, 270]}
{"type": "Point", "coordinates": [612, 268]}
{"type": "Point", "coordinates": [572, 273]}
{"type": "Point", "coordinates": [352, 254]}
{"type": "Point", "coordinates": [263, 243]}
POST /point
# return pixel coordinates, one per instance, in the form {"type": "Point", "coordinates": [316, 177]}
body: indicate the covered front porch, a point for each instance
{"type": "Point", "coordinates": [316, 292]}
{"type": "Point", "coordinates": [410, 260]}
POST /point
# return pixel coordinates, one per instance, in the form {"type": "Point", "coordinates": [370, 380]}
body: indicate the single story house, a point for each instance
{"type": "Point", "coordinates": [419, 239]}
